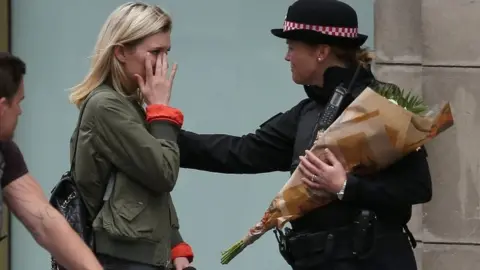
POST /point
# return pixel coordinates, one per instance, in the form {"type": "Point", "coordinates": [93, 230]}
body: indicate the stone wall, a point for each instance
{"type": "Point", "coordinates": [433, 48]}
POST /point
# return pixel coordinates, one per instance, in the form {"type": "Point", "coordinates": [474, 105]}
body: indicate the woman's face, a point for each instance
{"type": "Point", "coordinates": [307, 63]}
{"type": "Point", "coordinates": [133, 59]}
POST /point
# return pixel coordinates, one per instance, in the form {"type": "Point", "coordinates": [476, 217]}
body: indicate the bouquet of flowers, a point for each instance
{"type": "Point", "coordinates": [375, 130]}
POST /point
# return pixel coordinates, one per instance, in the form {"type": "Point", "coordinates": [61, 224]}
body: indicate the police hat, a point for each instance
{"type": "Point", "coordinates": [329, 22]}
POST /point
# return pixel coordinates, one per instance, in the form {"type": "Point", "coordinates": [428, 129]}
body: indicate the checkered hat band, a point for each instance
{"type": "Point", "coordinates": [326, 30]}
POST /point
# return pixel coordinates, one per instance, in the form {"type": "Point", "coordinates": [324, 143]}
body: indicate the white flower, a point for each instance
{"type": "Point", "coordinates": [396, 103]}
{"type": "Point", "coordinates": [393, 101]}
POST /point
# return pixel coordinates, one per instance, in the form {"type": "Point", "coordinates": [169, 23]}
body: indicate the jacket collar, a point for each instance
{"type": "Point", "coordinates": [335, 76]}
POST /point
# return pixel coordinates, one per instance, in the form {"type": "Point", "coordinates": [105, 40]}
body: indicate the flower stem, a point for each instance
{"type": "Point", "coordinates": [232, 252]}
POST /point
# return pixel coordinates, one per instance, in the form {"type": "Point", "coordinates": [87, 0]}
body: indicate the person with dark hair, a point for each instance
{"type": "Point", "coordinates": [21, 192]}
{"type": "Point", "coordinates": [365, 227]}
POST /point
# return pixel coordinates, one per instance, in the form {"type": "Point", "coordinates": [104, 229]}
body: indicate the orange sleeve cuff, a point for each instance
{"type": "Point", "coordinates": [162, 112]}
{"type": "Point", "coordinates": [182, 250]}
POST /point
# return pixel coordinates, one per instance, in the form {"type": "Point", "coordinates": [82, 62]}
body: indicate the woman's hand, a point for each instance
{"type": "Point", "coordinates": [157, 86]}
{"type": "Point", "coordinates": [181, 263]}
{"type": "Point", "coordinates": [320, 175]}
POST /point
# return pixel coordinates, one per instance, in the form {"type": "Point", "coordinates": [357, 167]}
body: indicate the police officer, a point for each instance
{"type": "Point", "coordinates": [364, 228]}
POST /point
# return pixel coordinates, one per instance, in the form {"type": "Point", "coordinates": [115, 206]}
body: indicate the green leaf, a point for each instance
{"type": "Point", "coordinates": [408, 100]}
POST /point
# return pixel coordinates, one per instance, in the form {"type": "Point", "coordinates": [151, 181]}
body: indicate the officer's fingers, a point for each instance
{"type": "Point", "coordinates": [316, 161]}
{"type": "Point", "coordinates": [311, 179]}
{"type": "Point", "coordinates": [331, 157]}
{"type": "Point", "coordinates": [304, 171]}
{"type": "Point", "coordinates": [310, 167]}
{"type": "Point", "coordinates": [311, 184]}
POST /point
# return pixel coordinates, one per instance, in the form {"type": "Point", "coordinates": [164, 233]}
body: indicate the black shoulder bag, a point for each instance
{"type": "Point", "coordinates": [65, 197]}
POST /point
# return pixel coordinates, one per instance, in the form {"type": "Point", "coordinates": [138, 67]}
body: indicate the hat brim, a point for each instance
{"type": "Point", "coordinates": [319, 38]}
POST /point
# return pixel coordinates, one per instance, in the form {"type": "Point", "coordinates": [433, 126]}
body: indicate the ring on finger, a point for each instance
{"type": "Point", "coordinates": [313, 178]}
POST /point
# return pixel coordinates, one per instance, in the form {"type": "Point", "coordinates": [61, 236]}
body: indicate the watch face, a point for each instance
{"type": "Point", "coordinates": [342, 191]}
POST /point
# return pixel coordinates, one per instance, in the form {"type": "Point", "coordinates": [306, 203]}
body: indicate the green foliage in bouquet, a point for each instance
{"type": "Point", "coordinates": [408, 101]}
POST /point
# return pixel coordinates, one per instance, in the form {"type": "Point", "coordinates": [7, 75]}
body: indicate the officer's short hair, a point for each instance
{"type": "Point", "coordinates": [12, 70]}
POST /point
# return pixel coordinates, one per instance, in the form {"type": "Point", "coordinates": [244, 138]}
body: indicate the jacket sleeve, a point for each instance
{"type": "Point", "coordinates": [269, 148]}
{"type": "Point", "coordinates": [179, 247]}
{"type": "Point", "coordinates": [406, 182]}
{"type": "Point", "coordinates": [150, 157]}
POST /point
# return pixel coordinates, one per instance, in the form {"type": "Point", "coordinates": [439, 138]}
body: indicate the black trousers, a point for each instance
{"type": "Point", "coordinates": [111, 263]}
{"type": "Point", "coordinates": [392, 252]}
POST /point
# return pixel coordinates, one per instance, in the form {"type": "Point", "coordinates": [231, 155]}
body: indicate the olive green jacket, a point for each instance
{"type": "Point", "coordinates": [138, 222]}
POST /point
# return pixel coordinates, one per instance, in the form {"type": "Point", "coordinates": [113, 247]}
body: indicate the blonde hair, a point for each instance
{"type": "Point", "coordinates": [359, 56]}
{"type": "Point", "coordinates": [127, 25]}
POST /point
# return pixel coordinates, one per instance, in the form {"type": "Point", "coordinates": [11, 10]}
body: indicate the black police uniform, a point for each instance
{"type": "Point", "coordinates": [366, 229]}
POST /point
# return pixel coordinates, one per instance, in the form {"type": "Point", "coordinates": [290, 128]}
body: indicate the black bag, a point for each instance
{"type": "Point", "coordinates": [65, 197]}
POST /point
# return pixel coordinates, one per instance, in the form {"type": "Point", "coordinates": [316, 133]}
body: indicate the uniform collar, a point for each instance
{"type": "Point", "coordinates": [335, 76]}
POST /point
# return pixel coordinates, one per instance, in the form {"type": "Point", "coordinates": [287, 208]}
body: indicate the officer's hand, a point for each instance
{"type": "Point", "coordinates": [320, 175]}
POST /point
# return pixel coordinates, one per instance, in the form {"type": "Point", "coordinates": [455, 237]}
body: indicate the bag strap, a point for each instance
{"type": "Point", "coordinates": [111, 179]}
{"type": "Point", "coordinates": [79, 121]}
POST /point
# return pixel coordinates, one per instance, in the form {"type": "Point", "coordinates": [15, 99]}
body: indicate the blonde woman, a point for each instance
{"type": "Point", "coordinates": [126, 157]}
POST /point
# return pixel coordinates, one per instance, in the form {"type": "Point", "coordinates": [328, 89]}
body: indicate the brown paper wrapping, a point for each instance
{"type": "Point", "coordinates": [371, 134]}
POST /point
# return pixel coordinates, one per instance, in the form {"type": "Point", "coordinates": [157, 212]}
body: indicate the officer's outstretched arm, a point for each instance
{"type": "Point", "coordinates": [269, 148]}
{"type": "Point", "coordinates": [26, 200]}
